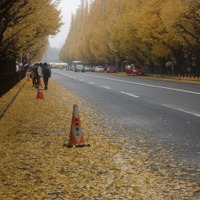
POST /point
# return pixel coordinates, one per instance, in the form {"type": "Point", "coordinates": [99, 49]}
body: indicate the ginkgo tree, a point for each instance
{"type": "Point", "coordinates": [167, 27]}
{"type": "Point", "coordinates": [103, 14]}
{"type": "Point", "coordinates": [26, 25]}
{"type": "Point", "coordinates": [71, 49]}
{"type": "Point", "coordinates": [143, 31]}
{"type": "Point", "coordinates": [151, 30]}
{"type": "Point", "coordinates": [124, 34]}
{"type": "Point", "coordinates": [89, 36]}
{"type": "Point", "coordinates": [185, 26]}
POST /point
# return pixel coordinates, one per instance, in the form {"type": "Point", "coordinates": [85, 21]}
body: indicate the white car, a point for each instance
{"type": "Point", "coordinates": [99, 69]}
{"type": "Point", "coordinates": [88, 68]}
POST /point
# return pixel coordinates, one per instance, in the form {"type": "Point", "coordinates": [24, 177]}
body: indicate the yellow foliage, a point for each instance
{"type": "Point", "coordinates": [36, 165]}
{"type": "Point", "coordinates": [135, 30]}
{"type": "Point", "coordinates": [32, 23]}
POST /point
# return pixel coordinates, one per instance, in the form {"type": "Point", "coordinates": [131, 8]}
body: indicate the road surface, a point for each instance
{"type": "Point", "coordinates": [167, 111]}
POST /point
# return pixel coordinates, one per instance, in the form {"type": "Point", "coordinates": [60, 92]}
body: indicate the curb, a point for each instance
{"type": "Point", "coordinates": [10, 102]}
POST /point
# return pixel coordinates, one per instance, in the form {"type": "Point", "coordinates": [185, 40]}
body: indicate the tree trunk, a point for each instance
{"type": "Point", "coordinates": [180, 59]}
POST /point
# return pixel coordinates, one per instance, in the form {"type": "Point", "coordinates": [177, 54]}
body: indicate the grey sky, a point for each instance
{"type": "Point", "coordinates": [67, 8]}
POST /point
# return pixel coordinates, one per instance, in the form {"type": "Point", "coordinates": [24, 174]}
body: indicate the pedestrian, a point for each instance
{"type": "Point", "coordinates": [46, 74]}
{"type": "Point", "coordinates": [35, 76]}
{"type": "Point", "coordinates": [40, 73]}
{"type": "Point", "coordinates": [170, 67]}
{"type": "Point", "coordinates": [28, 75]}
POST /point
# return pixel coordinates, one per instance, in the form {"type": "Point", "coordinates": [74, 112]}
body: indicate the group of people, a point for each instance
{"type": "Point", "coordinates": [40, 71]}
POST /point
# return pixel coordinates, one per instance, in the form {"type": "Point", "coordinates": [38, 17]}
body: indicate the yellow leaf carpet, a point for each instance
{"type": "Point", "coordinates": [35, 164]}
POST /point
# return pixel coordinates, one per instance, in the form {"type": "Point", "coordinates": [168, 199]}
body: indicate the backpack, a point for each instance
{"type": "Point", "coordinates": [46, 71]}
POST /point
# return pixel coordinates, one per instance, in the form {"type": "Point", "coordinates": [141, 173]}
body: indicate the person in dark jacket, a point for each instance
{"type": "Point", "coordinates": [46, 72]}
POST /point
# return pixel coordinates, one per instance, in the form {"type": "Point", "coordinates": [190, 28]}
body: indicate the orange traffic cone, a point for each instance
{"type": "Point", "coordinates": [76, 136]}
{"type": "Point", "coordinates": [40, 94]}
{"type": "Point", "coordinates": [28, 75]}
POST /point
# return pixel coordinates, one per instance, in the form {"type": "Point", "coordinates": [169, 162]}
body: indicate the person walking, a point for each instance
{"type": "Point", "coordinates": [170, 67]}
{"type": "Point", "coordinates": [46, 72]}
{"type": "Point", "coordinates": [35, 76]}
{"type": "Point", "coordinates": [38, 74]}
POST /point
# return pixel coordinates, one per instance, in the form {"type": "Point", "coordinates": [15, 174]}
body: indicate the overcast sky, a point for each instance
{"type": "Point", "coordinates": [67, 8]}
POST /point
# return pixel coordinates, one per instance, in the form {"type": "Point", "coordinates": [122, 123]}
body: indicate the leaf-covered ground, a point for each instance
{"type": "Point", "coordinates": [35, 164]}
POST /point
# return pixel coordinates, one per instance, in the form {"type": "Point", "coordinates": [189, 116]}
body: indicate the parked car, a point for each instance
{"type": "Point", "coordinates": [77, 66]}
{"type": "Point", "coordinates": [88, 68]}
{"type": "Point", "coordinates": [135, 69]}
{"type": "Point", "coordinates": [99, 69]}
{"type": "Point", "coordinates": [111, 70]}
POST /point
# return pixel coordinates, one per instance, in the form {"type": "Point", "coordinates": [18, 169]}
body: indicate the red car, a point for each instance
{"type": "Point", "coordinates": [111, 70]}
{"type": "Point", "coordinates": [135, 69]}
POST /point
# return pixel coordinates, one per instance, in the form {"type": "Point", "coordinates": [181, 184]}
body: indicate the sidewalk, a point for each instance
{"type": "Point", "coordinates": [35, 164]}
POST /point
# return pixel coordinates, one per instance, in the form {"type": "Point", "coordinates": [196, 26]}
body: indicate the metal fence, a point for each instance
{"type": "Point", "coordinates": [9, 80]}
{"type": "Point", "coordinates": [176, 75]}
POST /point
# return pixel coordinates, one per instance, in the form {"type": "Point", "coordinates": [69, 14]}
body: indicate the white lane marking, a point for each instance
{"type": "Point", "coordinates": [80, 79]}
{"type": "Point", "coordinates": [182, 110]}
{"type": "Point", "coordinates": [148, 85]}
{"type": "Point", "coordinates": [91, 83]}
{"type": "Point", "coordinates": [105, 87]}
{"type": "Point", "coordinates": [129, 94]}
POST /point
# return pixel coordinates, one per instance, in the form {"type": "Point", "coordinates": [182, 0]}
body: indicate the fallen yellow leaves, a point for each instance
{"type": "Point", "coordinates": [36, 165]}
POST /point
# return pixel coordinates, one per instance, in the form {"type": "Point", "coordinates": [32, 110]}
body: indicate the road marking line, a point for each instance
{"type": "Point", "coordinates": [129, 94]}
{"type": "Point", "coordinates": [148, 85]}
{"type": "Point", "coordinates": [181, 109]}
{"type": "Point", "coordinates": [105, 87]}
{"type": "Point", "coordinates": [91, 83]}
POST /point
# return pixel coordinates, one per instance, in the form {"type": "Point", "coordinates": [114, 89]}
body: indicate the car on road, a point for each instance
{"type": "Point", "coordinates": [135, 69]}
{"type": "Point", "coordinates": [77, 66]}
{"type": "Point", "coordinates": [111, 69]}
{"type": "Point", "coordinates": [99, 69]}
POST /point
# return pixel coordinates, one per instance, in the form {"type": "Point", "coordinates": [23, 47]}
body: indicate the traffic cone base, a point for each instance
{"type": "Point", "coordinates": [84, 145]}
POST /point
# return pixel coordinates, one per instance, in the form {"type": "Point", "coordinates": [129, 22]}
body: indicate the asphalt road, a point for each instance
{"type": "Point", "coordinates": [167, 111]}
